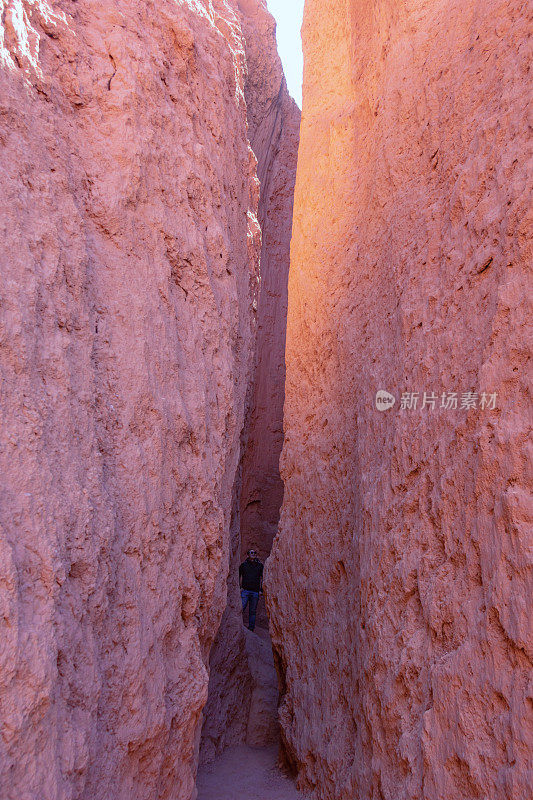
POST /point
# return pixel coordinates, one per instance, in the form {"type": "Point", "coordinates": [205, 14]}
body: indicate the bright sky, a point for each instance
{"type": "Point", "coordinates": [288, 14]}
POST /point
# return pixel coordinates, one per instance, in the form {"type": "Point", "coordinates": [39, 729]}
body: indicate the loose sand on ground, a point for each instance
{"type": "Point", "coordinates": [246, 773]}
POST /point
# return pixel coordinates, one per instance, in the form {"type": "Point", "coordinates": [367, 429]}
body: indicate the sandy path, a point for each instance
{"type": "Point", "coordinates": [245, 773]}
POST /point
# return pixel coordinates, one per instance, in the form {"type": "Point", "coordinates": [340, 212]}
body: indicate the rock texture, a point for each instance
{"type": "Point", "coordinates": [129, 273]}
{"type": "Point", "coordinates": [273, 129]}
{"type": "Point", "coordinates": [399, 586]}
{"type": "Point", "coordinates": [226, 713]}
{"type": "Point", "coordinates": [262, 728]}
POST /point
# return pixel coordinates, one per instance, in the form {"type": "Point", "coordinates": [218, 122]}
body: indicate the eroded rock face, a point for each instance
{"type": "Point", "coordinates": [226, 713]}
{"type": "Point", "coordinates": [262, 728]}
{"type": "Point", "coordinates": [130, 250]}
{"type": "Point", "coordinates": [399, 583]}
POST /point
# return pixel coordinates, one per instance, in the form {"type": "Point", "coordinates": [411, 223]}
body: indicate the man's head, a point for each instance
{"type": "Point", "coordinates": [252, 554]}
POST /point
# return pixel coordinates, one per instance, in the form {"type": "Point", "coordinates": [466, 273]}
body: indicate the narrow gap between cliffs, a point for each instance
{"type": "Point", "coordinates": [240, 719]}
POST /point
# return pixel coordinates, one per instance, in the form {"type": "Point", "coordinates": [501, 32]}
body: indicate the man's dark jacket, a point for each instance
{"type": "Point", "coordinates": [251, 573]}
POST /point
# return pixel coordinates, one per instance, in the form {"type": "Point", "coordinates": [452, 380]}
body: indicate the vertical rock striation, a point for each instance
{"type": "Point", "coordinates": [273, 130]}
{"type": "Point", "coordinates": [130, 250]}
{"type": "Point", "coordinates": [400, 581]}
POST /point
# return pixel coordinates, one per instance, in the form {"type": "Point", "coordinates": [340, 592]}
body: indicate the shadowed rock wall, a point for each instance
{"type": "Point", "coordinates": [130, 249]}
{"type": "Point", "coordinates": [400, 582]}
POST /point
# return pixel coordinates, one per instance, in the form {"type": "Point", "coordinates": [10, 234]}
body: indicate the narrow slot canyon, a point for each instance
{"type": "Point", "coordinates": [228, 325]}
{"type": "Point", "coordinates": [241, 711]}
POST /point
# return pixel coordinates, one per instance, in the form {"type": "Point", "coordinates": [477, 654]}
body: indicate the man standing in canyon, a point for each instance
{"type": "Point", "coordinates": [251, 584]}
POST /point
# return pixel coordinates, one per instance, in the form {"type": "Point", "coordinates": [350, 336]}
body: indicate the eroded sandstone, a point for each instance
{"type": "Point", "coordinates": [400, 581]}
{"type": "Point", "coordinates": [130, 249]}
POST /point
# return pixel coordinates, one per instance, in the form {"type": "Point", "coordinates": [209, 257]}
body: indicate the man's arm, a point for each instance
{"type": "Point", "coordinates": [240, 577]}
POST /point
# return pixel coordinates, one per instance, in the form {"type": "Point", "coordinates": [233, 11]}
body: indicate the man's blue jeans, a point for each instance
{"type": "Point", "coordinates": [253, 598]}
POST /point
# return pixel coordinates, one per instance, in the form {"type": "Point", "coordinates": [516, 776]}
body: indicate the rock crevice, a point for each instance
{"type": "Point", "coordinates": [241, 699]}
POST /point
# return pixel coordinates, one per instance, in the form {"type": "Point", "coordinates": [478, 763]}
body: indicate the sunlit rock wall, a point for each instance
{"type": "Point", "coordinates": [400, 581]}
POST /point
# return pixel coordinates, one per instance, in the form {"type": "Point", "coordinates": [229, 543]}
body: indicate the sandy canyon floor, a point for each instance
{"type": "Point", "coordinates": [250, 773]}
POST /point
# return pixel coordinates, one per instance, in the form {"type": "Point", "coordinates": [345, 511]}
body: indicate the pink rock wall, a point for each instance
{"type": "Point", "coordinates": [129, 272]}
{"type": "Point", "coordinates": [399, 585]}
{"type": "Point", "coordinates": [226, 713]}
